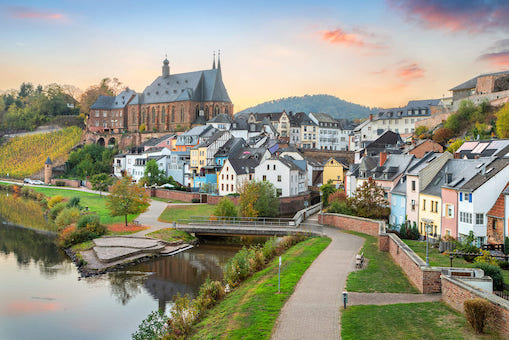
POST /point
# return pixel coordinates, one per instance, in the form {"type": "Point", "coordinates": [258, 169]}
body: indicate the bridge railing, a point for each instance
{"type": "Point", "coordinates": [301, 215]}
{"type": "Point", "coordinates": [239, 221]}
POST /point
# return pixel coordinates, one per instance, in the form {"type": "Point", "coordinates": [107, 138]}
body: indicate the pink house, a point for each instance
{"type": "Point", "coordinates": [449, 212]}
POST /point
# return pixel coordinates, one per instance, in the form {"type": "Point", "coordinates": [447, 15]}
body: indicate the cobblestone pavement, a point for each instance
{"type": "Point", "coordinates": [312, 312]}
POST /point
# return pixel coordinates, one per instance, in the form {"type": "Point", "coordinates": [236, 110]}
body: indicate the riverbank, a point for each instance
{"type": "Point", "coordinates": [250, 311]}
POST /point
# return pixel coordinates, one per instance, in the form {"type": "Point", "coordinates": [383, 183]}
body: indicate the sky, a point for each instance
{"type": "Point", "coordinates": [378, 53]}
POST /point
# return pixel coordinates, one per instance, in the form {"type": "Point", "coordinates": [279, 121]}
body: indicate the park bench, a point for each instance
{"type": "Point", "coordinates": [359, 260]}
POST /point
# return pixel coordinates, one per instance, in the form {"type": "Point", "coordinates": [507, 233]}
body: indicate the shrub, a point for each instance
{"type": "Point", "coordinates": [225, 207]}
{"type": "Point", "coordinates": [210, 292]}
{"type": "Point", "coordinates": [67, 217]}
{"type": "Point", "coordinates": [340, 207]}
{"type": "Point", "coordinates": [269, 249]}
{"type": "Point", "coordinates": [237, 269]}
{"type": "Point", "coordinates": [55, 200]}
{"type": "Point", "coordinates": [182, 318]}
{"type": "Point", "coordinates": [477, 312]}
{"type": "Point", "coordinates": [495, 273]}
{"type": "Point", "coordinates": [59, 183]}
{"type": "Point", "coordinates": [195, 200]}
{"type": "Point", "coordinates": [153, 327]}
{"type": "Point", "coordinates": [87, 228]}
{"type": "Point", "coordinates": [503, 264]}
{"type": "Point", "coordinates": [486, 257]}
{"type": "Point", "coordinates": [53, 212]}
{"type": "Point", "coordinates": [74, 202]}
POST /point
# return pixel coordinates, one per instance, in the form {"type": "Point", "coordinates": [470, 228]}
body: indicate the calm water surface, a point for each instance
{"type": "Point", "coordinates": [43, 297]}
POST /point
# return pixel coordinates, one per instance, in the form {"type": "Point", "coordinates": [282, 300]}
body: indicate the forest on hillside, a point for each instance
{"type": "Point", "coordinates": [322, 103]}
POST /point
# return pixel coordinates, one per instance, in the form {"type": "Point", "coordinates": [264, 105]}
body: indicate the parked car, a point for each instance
{"type": "Point", "coordinates": [37, 182]}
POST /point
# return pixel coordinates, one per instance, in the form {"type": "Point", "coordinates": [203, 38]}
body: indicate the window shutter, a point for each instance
{"type": "Point", "coordinates": [470, 198]}
{"type": "Point", "coordinates": [461, 196]}
{"type": "Point", "coordinates": [444, 206]}
{"type": "Point", "coordinates": [452, 210]}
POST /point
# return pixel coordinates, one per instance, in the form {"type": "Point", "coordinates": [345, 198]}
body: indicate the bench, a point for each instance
{"type": "Point", "coordinates": [135, 222]}
{"type": "Point", "coordinates": [359, 260]}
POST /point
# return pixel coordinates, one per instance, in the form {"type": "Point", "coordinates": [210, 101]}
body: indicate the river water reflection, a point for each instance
{"type": "Point", "coordinates": [43, 297]}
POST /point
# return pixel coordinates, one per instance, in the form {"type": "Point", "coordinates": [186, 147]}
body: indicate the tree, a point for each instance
{"type": "Point", "coordinates": [442, 136]}
{"type": "Point", "coordinates": [369, 200]}
{"type": "Point", "coordinates": [326, 190]}
{"type": "Point", "coordinates": [101, 182]}
{"type": "Point", "coordinates": [226, 208]}
{"type": "Point", "coordinates": [107, 87]}
{"type": "Point", "coordinates": [455, 145]}
{"type": "Point", "coordinates": [420, 130]}
{"type": "Point", "coordinates": [258, 199]}
{"type": "Point", "coordinates": [153, 175]}
{"type": "Point", "coordinates": [126, 198]}
{"type": "Point", "coordinates": [503, 122]}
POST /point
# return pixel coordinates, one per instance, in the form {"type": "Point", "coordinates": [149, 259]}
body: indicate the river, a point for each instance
{"type": "Point", "coordinates": [42, 295]}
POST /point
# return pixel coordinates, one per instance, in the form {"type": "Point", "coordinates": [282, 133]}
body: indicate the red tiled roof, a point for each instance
{"type": "Point", "coordinates": [498, 208]}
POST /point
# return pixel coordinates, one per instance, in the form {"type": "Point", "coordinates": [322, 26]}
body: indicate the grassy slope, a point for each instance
{"type": "Point", "coordinates": [94, 202]}
{"type": "Point", "coordinates": [251, 310]}
{"type": "Point", "coordinates": [171, 235]}
{"type": "Point", "coordinates": [174, 213]}
{"type": "Point", "coordinates": [381, 275]}
{"type": "Point", "coordinates": [431, 320]}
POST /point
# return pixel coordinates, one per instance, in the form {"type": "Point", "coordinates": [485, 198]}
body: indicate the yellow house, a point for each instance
{"type": "Point", "coordinates": [334, 170]}
{"type": "Point", "coordinates": [430, 212]}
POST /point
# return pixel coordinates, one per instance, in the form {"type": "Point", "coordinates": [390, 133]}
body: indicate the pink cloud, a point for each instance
{"type": "Point", "coordinates": [455, 15]}
{"type": "Point", "coordinates": [499, 59]}
{"type": "Point", "coordinates": [357, 38]}
{"type": "Point", "coordinates": [33, 14]}
{"type": "Point", "coordinates": [410, 71]}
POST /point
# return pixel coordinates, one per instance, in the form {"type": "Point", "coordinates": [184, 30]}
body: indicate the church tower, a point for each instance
{"type": "Point", "coordinates": [48, 171]}
{"type": "Point", "coordinates": [166, 68]}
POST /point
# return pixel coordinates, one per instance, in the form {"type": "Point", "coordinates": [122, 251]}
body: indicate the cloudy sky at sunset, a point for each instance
{"type": "Point", "coordinates": [371, 52]}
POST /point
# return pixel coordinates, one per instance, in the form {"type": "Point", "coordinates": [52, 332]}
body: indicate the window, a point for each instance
{"type": "Point", "coordinates": [461, 196]}
{"type": "Point", "coordinates": [264, 178]}
{"type": "Point", "coordinates": [413, 185]}
{"type": "Point", "coordinates": [233, 187]}
{"type": "Point", "coordinates": [450, 210]}
{"type": "Point", "coordinates": [479, 218]}
{"type": "Point", "coordinates": [222, 186]}
{"type": "Point", "coordinates": [279, 178]}
{"type": "Point", "coordinates": [226, 187]}
{"type": "Point", "coordinates": [268, 166]}
{"type": "Point", "coordinates": [274, 167]}
{"type": "Point", "coordinates": [423, 205]}
{"type": "Point", "coordinates": [222, 176]}
{"type": "Point", "coordinates": [97, 113]}
{"type": "Point", "coordinates": [182, 115]}
{"type": "Point", "coordinates": [465, 217]}
{"type": "Point", "coordinates": [153, 115]}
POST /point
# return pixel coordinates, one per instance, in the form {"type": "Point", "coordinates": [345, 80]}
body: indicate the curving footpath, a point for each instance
{"type": "Point", "coordinates": [312, 312]}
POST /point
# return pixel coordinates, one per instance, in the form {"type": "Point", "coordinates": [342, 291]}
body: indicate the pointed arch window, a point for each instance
{"type": "Point", "coordinates": [197, 111]}
{"type": "Point", "coordinates": [173, 113]}
{"type": "Point", "coordinates": [143, 116]}
{"type": "Point", "coordinates": [181, 113]}
{"type": "Point", "coordinates": [216, 110]}
{"type": "Point", "coordinates": [153, 115]}
{"type": "Point", "coordinates": [226, 109]}
{"type": "Point", "coordinates": [163, 115]}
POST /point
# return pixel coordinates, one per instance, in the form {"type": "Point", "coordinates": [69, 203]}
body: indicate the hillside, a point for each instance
{"type": "Point", "coordinates": [323, 103]}
{"type": "Point", "coordinates": [24, 155]}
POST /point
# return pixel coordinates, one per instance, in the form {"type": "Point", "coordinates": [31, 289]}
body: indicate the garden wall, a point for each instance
{"type": "Point", "coordinates": [73, 183]}
{"type": "Point", "coordinates": [427, 280]}
{"type": "Point", "coordinates": [455, 292]}
{"type": "Point", "coordinates": [173, 194]}
{"type": "Point", "coordinates": [353, 223]}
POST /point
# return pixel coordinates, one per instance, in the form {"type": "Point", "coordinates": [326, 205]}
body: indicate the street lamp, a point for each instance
{"type": "Point", "coordinates": [428, 228]}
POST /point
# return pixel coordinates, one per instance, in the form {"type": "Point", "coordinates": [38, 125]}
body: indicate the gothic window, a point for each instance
{"type": "Point", "coordinates": [153, 115]}
{"type": "Point", "coordinates": [207, 111]}
{"type": "Point", "coordinates": [197, 111]}
{"type": "Point", "coordinates": [163, 114]}
{"type": "Point", "coordinates": [173, 113]}
{"type": "Point", "coordinates": [226, 109]}
{"type": "Point", "coordinates": [143, 116]}
{"type": "Point", "coordinates": [216, 110]}
{"type": "Point", "coordinates": [181, 113]}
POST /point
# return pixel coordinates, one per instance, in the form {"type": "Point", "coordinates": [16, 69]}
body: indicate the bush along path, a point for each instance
{"type": "Point", "coordinates": [252, 304]}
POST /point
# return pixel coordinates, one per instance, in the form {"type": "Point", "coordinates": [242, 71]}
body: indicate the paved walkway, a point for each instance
{"type": "Point", "coordinates": [312, 312]}
{"type": "Point", "coordinates": [149, 217]}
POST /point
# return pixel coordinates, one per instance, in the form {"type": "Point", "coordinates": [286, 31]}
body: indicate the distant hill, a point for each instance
{"type": "Point", "coordinates": [323, 103]}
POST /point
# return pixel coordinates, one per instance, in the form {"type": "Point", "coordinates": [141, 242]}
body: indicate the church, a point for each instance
{"type": "Point", "coordinates": [173, 102]}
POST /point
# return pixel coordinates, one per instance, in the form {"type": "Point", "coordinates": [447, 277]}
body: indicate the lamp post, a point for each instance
{"type": "Point", "coordinates": [428, 228]}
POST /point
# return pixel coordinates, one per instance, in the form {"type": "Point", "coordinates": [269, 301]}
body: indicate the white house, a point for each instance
{"type": "Point", "coordinates": [330, 134]}
{"type": "Point", "coordinates": [288, 178]}
{"type": "Point", "coordinates": [477, 196]}
{"type": "Point", "coordinates": [234, 173]}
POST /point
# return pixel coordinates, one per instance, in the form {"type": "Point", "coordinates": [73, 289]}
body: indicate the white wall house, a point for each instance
{"type": "Point", "coordinates": [330, 134]}
{"type": "Point", "coordinates": [234, 173]}
{"type": "Point", "coordinates": [477, 196]}
{"type": "Point", "coordinates": [287, 178]}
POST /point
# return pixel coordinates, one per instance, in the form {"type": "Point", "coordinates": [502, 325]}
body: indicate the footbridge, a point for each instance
{"type": "Point", "coordinates": [261, 226]}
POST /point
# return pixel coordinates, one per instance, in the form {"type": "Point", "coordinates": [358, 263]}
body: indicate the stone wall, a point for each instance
{"type": "Point", "coordinates": [214, 199]}
{"type": "Point", "coordinates": [173, 194]}
{"type": "Point", "coordinates": [455, 292]}
{"type": "Point", "coordinates": [68, 182]}
{"type": "Point", "coordinates": [353, 223]}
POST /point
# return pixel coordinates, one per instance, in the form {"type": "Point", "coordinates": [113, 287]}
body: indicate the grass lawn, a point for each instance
{"type": "Point", "coordinates": [381, 274]}
{"type": "Point", "coordinates": [94, 202]}
{"type": "Point", "coordinates": [175, 213]}
{"type": "Point", "coordinates": [250, 311]}
{"type": "Point", "coordinates": [435, 257]}
{"type": "Point", "coordinates": [430, 320]}
{"type": "Point", "coordinates": [171, 235]}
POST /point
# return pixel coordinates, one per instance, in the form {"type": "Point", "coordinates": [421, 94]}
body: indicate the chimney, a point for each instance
{"type": "Point", "coordinates": [383, 158]}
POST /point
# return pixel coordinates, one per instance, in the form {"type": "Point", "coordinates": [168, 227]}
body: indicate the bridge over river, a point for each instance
{"type": "Point", "coordinates": [218, 225]}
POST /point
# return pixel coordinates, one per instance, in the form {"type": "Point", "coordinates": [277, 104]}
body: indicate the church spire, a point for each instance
{"type": "Point", "coordinates": [214, 60]}
{"type": "Point", "coordinates": [219, 59]}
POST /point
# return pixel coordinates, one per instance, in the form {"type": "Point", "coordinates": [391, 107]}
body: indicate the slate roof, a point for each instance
{"type": "Point", "coordinates": [288, 163]}
{"type": "Point", "coordinates": [400, 188]}
{"type": "Point", "coordinates": [472, 83]}
{"type": "Point", "coordinates": [302, 119]}
{"type": "Point", "coordinates": [221, 118]}
{"type": "Point", "coordinates": [244, 166]}
{"type": "Point", "coordinates": [460, 169]}
{"type": "Point", "coordinates": [480, 178]}
{"type": "Point", "coordinates": [386, 139]}
{"type": "Point", "coordinates": [208, 141]}
{"type": "Point", "coordinates": [421, 163]}
{"type": "Point", "coordinates": [272, 116]}
{"type": "Point", "coordinates": [113, 103]}
{"type": "Point", "coordinates": [231, 147]}
{"type": "Point", "coordinates": [48, 161]}
{"type": "Point", "coordinates": [324, 118]}
{"type": "Point", "coordinates": [484, 148]}
{"type": "Point", "coordinates": [402, 112]}
{"type": "Point", "coordinates": [155, 141]}
{"type": "Point", "coordinates": [392, 168]}
{"type": "Point", "coordinates": [103, 103]}
{"type": "Point", "coordinates": [498, 209]}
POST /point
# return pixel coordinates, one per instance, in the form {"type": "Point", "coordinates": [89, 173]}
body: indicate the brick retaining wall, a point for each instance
{"type": "Point", "coordinates": [455, 292]}
{"type": "Point", "coordinates": [353, 223]}
{"type": "Point", "coordinates": [68, 182]}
